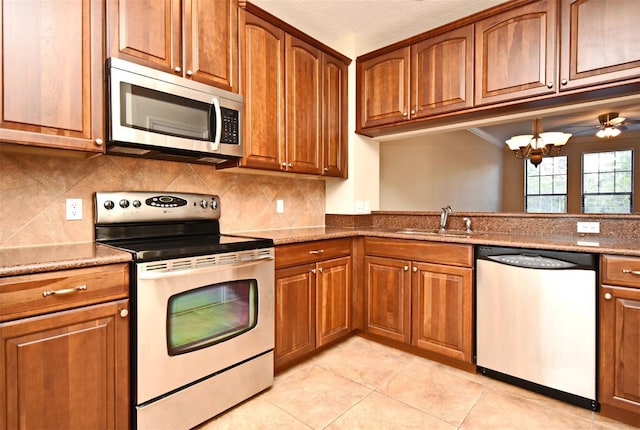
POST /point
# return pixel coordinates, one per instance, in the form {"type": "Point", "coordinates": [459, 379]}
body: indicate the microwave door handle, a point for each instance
{"type": "Point", "coordinates": [217, 122]}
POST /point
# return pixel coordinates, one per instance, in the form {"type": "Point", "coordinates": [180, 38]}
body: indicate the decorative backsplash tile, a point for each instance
{"type": "Point", "coordinates": [34, 189]}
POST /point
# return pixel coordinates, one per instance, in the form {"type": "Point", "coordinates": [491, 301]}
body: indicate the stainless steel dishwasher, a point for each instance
{"type": "Point", "coordinates": [536, 321]}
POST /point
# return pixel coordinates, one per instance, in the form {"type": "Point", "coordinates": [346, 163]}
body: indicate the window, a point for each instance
{"type": "Point", "coordinates": [546, 186]}
{"type": "Point", "coordinates": [607, 182]}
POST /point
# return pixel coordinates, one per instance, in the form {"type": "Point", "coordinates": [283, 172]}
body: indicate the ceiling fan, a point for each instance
{"type": "Point", "coordinates": [611, 125]}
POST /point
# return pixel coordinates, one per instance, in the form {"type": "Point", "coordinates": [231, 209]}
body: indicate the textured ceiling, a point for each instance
{"type": "Point", "coordinates": [361, 26]}
{"type": "Point", "coordinates": [369, 24]}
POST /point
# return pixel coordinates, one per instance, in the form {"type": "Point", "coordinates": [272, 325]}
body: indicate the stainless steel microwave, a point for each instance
{"type": "Point", "coordinates": [158, 115]}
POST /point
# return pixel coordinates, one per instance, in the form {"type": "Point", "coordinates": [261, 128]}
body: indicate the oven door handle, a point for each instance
{"type": "Point", "coordinates": [211, 269]}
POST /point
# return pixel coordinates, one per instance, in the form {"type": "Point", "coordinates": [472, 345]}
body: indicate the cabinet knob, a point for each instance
{"type": "Point", "coordinates": [415, 269]}
{"type": "Point", "coordinates": [313, 271]}
{"type": "Point", "coordinates": [124, 313]}
{"type": "Point", "coordinates": [549, 84]}
{"type": "Point", "coordinates": [177, 69]}
{"type": "Point", "coordinates": [320, 269]}
{"type": "Point", "coordinates": [406, 268]}
{"type": "Point", "coordinates": [284, 165]}
{"type": "Point", "coordinates": [189, 73]}
{"type": "Point", "coordinates": [290, 165]}
{"type": "Point", "coordinates": [99, 142]}
{"type": "Point", "coordinates": [564, 82]}
{"type": "Point", "coordinates": [326, 169]}
{"type": "Point", "coordinates": [608, 296]}
{"type": "Point", "coordinates": [413, 112]}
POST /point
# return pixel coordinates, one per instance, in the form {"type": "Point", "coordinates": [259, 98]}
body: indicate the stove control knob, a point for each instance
{"type": "Point", "coordinates": [124, 203]}
{"type": "Point", "coordinates": [108, 205]}
{"type": "Point", "coordinates": [203, 204]}
{"type": "Point", "coordinates": [136, 203]}
{"type": "Point", "coordinates": [214, 204]}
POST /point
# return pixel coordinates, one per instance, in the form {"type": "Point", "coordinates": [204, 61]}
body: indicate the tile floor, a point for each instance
{"type": "Point", "coordinates": [360, 384]}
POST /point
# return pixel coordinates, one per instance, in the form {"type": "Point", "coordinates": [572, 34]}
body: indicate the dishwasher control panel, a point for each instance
{"type": "Point", "coordinates": [532, 261]}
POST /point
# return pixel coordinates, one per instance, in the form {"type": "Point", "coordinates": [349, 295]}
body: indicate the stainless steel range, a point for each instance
{"type": "Point", "coordinates": [202, 306]}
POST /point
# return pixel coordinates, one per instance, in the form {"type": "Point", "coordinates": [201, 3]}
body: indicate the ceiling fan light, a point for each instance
{"type": "Point", "coordinates": [608, 132]}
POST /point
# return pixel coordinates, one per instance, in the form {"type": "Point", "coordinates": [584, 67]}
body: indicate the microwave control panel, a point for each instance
{"type": "Point", "coordinates": [230, 126]}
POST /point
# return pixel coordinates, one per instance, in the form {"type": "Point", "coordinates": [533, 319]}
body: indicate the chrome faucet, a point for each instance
{"type": "Point", "coordinates": [443, 217]}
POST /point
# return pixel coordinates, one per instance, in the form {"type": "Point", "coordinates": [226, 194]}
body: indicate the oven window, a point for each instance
{"type": "Point", "coordinates": [208, 315]}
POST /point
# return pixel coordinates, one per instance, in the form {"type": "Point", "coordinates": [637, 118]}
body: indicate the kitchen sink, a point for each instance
{"type": "Point", "coordinates": [446, 233]}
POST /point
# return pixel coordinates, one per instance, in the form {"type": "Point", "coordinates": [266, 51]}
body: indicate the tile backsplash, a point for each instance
{"type": "Point", "coordinates": [34, 189]}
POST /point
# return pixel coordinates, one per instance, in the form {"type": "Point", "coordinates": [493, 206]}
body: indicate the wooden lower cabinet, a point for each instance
{"type": "Point", "coordinates": [620, 339]}
{"type": "Point", "coordinates": [388, 292]}
{"type": "Point", "coordinates": [66, 370]}
{"type": "Point", "coordinates": [313, 297]}
{"type": "Point", "coordinates": [295, 325]}
{"type": "Point", "coordinates": [442, 309]}
{"type": "Point", "coordinates": [428, 305]}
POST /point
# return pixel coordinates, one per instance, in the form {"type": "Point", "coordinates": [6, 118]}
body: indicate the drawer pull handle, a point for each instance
{"type": "Point", "coordinates": [319, 251]}
{"type": "Point", "coordinates": [64, 291]}
{"type": "Point", "coordinates": [633, 272]}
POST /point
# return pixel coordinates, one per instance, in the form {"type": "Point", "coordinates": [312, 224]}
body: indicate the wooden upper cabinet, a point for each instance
{"type": "Point", "coordinates": [334, 121]}
{"type": "Point", "coordinates": [52, 74]}
{"type": "Point", "coordinates": [304, 109]}
{"type": "Point", "coordinates": [442, 73]}
{"type": "Point", "coordinates": [262, 50]}
{"type": "Point", "coordinates": [211, 42]}
{"type": "Point", "coordinates": [383, 88]}
{"type": "Point", "coordinates": [152, 33]}
{"type": "Point", "coordinates": [515, 53]}
{"type": "Point", "coordinates": [147, 32]}
{"type": "Point", "coordinates": [600, 42]}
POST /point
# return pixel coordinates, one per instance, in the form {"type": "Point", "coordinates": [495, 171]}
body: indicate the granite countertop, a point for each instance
{"type": "Point", "coordinates": [33, 259]}
{"type": "Point", "coordinates": [586, 243]}
{"type": "Point", "coordinates": [45, 258]}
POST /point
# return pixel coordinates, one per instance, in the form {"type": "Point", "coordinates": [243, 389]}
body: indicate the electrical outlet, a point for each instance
{"type": "Point", "coordinates": [588, 227]}
{"type": "Point", "coordinates": [74, 209]}
{"type": "Point", "coordinates": [280, 206]}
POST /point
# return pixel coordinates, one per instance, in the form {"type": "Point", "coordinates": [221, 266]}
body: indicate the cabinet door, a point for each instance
{"type": "Point", "coordinates": [66, 370]}
{"type": "Point", "coordinates": [334, 117]}
{"type": "Point", "coordinates": [211, 42]}
{"type": "Point", "coordinates": [442, 310]}
{"type": "Point", "coordinates": [333, 300]}
{"type": "Point", "coordinates": [442, 73]}
{"type": "Point", "coordinates": [262, 48]}
{"type": "Point", "coordinates": [388, 298]}
{"type": "Point", "coordinates": [600, 42]}
{"type": "Point", "coordinates": [383, 89]}
{"type": "Point", "coordinates": [52, 74]}
{"type": "Point", "coordinates": [295, 316]}
{"type": "Point", "coordinates": [620, 348]}
{"type": "Point", "coordinates": [147, 32]}
{"type": "Point", "coordinates": [304, 109]}
{"type": "Point", "coordinates": [516, 53]}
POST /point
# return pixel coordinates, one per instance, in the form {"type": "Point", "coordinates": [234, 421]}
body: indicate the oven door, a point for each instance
{"type": "Point", "coordinates": [195, 322]}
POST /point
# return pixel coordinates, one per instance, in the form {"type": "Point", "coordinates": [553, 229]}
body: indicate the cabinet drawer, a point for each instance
{"type": "Point", "coordinates": [433, 252]}
{"type": "Point", "coordinates": [310, 252]}
{"type": "Point", "coordinates": [619, 270]}
{"type": "Point", "coordinates": [28, 295]}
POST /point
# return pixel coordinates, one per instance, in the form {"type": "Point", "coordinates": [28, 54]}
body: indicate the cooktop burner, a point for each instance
{"type": "Point", "coordinates": [159, 226]}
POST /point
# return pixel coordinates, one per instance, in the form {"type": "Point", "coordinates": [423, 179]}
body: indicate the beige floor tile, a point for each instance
{"type": "Point", "coordinates": [256, 414]}
{"type": "Point", "coordinates": [364, 362]}
{"type": "Point", "coordinates": [505, 410]}
{"type": "Point", "coordinates": [315, 395]}
{"type": "Point", "coordinates": [378, 412]}
{"type": "Point", "coordinates": [431, 389]}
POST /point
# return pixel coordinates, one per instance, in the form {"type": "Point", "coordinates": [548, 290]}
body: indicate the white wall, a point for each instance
{"type": "Point", "coordinates": [425, 173]}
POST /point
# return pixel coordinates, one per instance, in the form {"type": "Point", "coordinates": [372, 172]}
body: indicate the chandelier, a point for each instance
{"type": "Point", "coordinates": [537, 145]}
